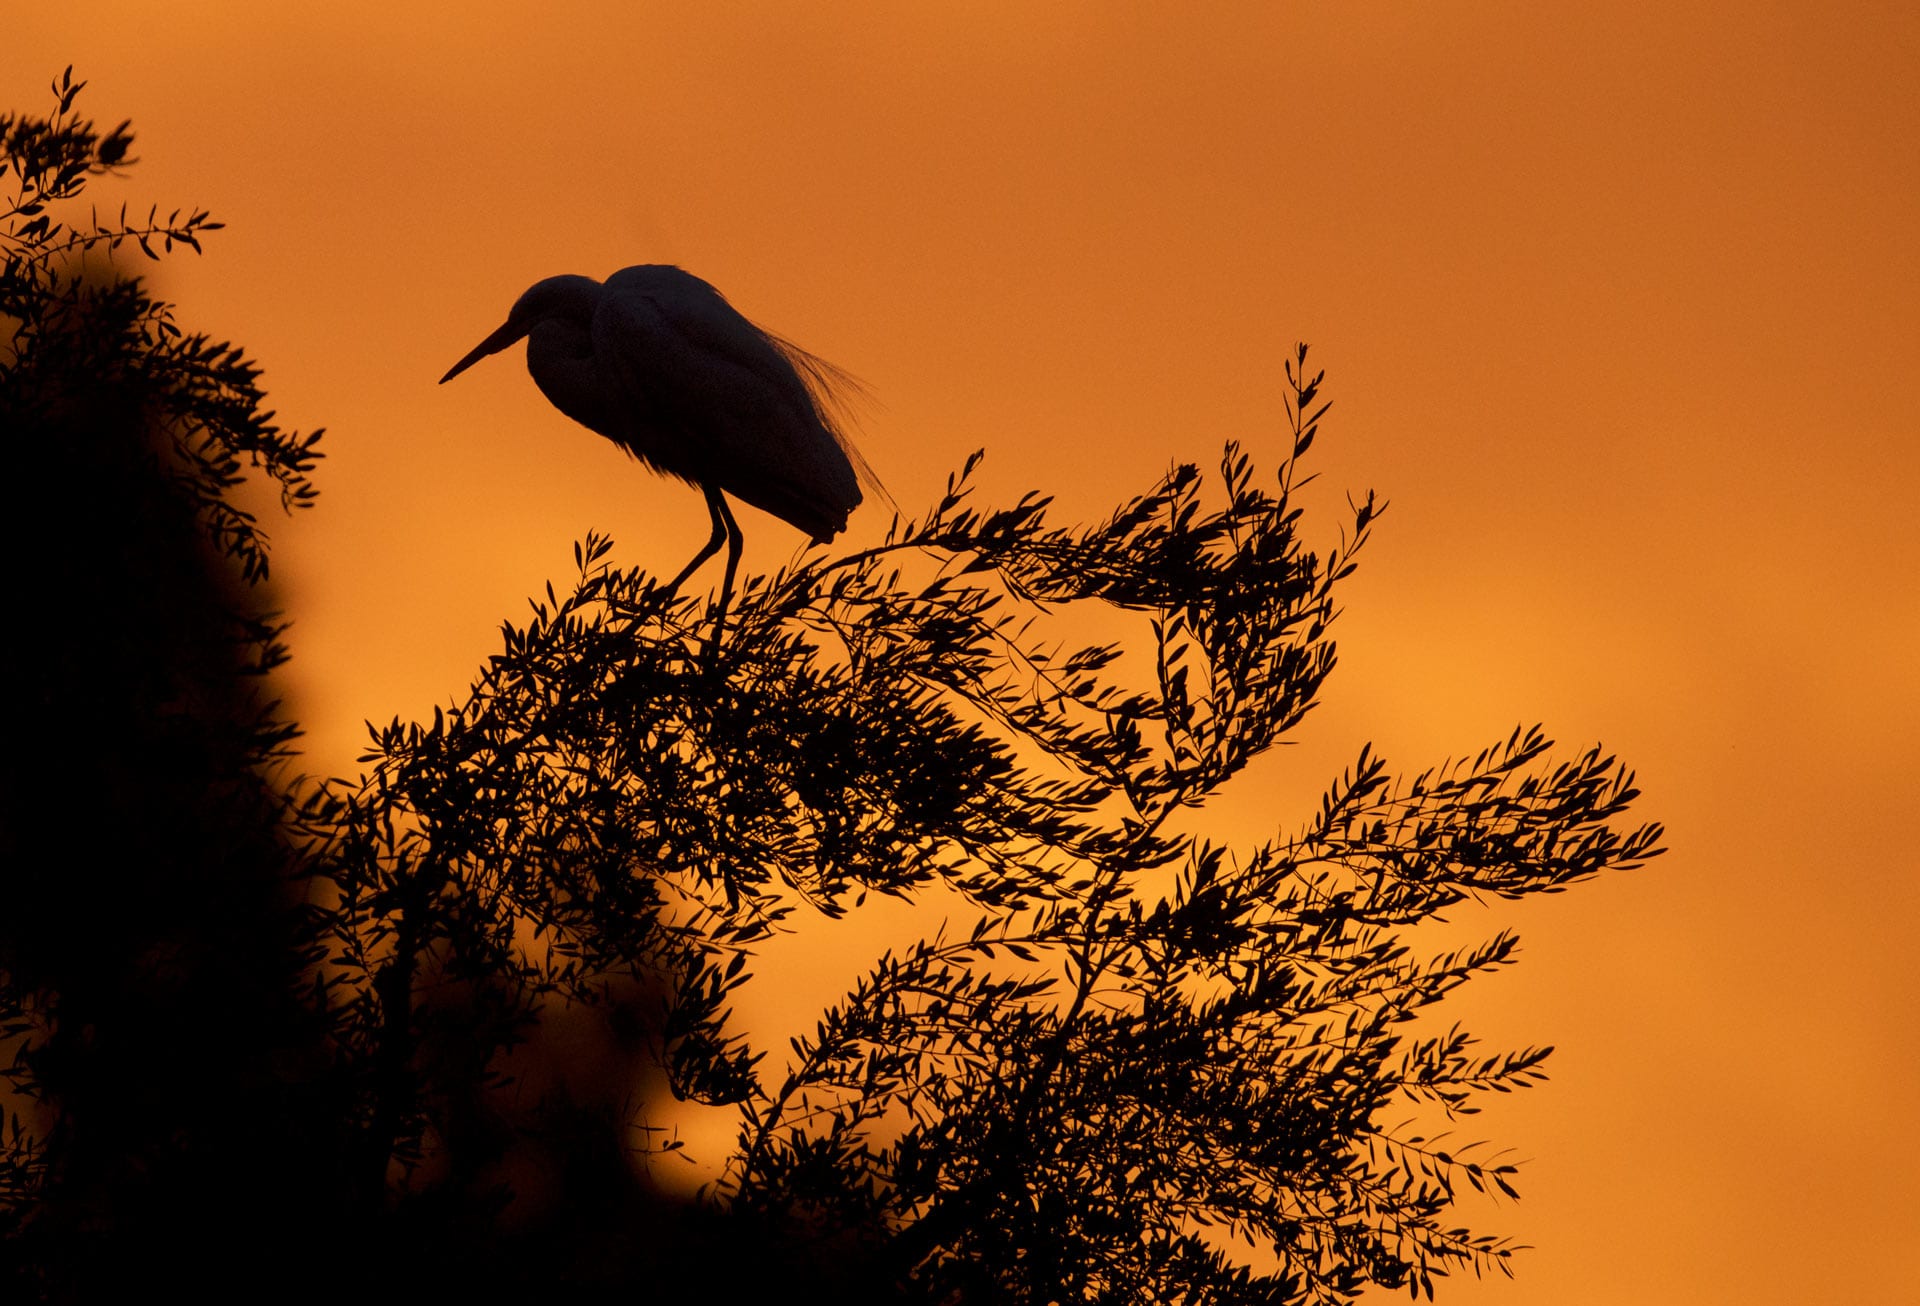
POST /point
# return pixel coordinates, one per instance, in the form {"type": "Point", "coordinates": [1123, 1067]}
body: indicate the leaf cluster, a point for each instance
{"type": "Point", "coordinates": [79, 344]}
{"type": "Point", "coordinates": [1133, 1049]}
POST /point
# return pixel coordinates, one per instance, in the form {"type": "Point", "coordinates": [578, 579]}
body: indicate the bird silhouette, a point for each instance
{"type": "Point", "coordinates": [658, 361]}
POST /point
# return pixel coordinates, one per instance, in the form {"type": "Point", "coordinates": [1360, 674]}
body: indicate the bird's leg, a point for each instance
{"type": "Point", "coordinates": [735, 540]}
{"type": "Point", "coordinates": [716, 506]}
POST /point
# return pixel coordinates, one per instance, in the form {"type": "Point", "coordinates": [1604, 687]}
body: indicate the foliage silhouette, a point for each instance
{"type": "Point", "coordinates": [1057, 1100]}
{"type": "Point", "coordinates": [151, 953]}
{"type": "Point", "coordinates": [1127, 1046]}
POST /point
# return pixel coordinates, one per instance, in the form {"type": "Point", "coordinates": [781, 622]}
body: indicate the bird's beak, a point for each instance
{"type": "Point", "coordinates": [493, 344]}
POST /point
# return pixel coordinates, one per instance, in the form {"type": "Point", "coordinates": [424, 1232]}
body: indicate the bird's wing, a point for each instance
{"type": "Point", "coordinates": [696, 308]}
{"type": "Point", "coordinates": [837, 395]}
{"type": "Point", "coordinates": [716, 401]}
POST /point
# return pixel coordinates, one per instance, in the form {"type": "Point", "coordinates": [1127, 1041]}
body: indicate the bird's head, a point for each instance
{"type": "Point", "coordinates": [569, 298]}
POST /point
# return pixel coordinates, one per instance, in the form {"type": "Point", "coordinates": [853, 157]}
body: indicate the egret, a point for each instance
{"type": "Point", "coordinates": [659, 362]}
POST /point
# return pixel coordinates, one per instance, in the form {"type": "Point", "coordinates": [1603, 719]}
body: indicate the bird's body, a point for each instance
{"type": "Point", "coordinates": [658, 361]}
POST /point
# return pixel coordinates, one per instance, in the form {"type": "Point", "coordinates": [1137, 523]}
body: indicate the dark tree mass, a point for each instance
{"type": "Point", "coordinates": [406, 1032]}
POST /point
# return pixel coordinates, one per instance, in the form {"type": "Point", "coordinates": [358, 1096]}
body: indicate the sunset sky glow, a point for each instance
{"type": "Point", "coordinates": [1620, 311]}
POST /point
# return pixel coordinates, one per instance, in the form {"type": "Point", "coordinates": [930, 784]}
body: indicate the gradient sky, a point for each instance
{"type": "Point", "coordinates": [1620, 306]}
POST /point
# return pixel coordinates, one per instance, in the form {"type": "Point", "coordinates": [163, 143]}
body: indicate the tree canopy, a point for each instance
{"type": "Point", "coordinates": [1130, 1064]}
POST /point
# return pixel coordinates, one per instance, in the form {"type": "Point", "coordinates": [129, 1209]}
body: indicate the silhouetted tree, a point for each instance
{"type": "Point", "coordinates": [151, 962]}
{"type": "Point", "coordinates": [1134, 1048]}
{"type": "Point", "coordinates": [1141, 1046]}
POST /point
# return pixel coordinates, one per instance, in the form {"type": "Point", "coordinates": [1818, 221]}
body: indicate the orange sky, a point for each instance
{"type": "Point", "coordinates": [1620, 308]}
